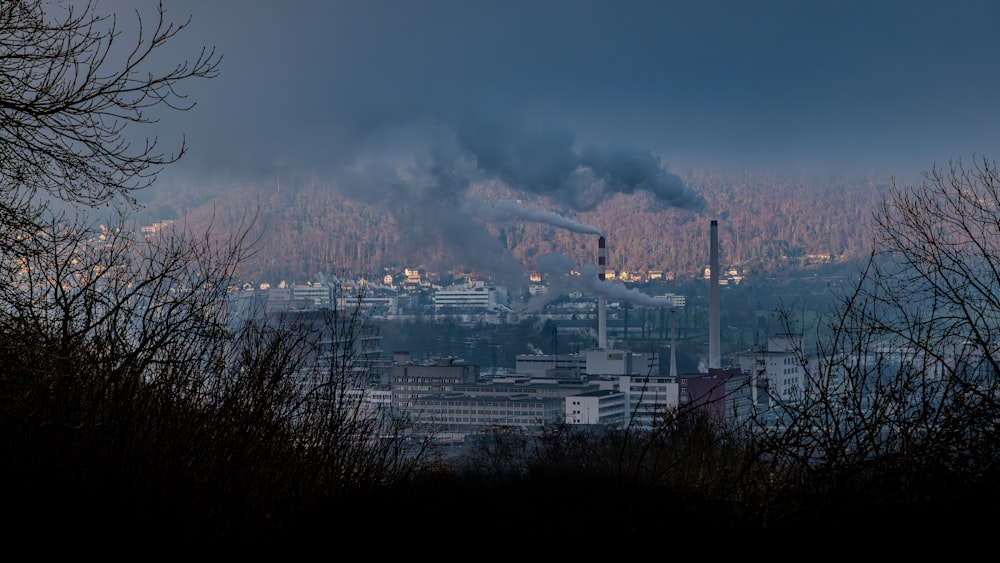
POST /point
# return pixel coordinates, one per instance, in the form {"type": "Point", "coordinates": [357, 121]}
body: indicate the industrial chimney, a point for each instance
{"type": "Point", "coordinates": [714, 356]}
{"type": "Point", "coordinates": [673, 344]}
{"type": "Point", "coordinates": [602, 302]}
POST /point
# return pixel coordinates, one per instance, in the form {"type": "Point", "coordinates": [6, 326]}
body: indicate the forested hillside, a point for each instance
{"type": "Point", "coordinates": [769, 223]}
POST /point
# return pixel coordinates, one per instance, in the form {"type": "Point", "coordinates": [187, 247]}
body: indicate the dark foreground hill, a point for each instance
{"type": "Point", "coordinates": [77, 501]}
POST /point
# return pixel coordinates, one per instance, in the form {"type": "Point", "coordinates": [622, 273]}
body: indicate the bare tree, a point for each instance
{"type": "Point", "coordinates": [71, 96]}
{"type": "Point", "coordinates": [941, 241]}
{"type": "Point", "coordinates": [119, 350]}
{"type": "Point", "coordinates": [120, 356]}
{"type": "Point", "coordinates": [901, 395]}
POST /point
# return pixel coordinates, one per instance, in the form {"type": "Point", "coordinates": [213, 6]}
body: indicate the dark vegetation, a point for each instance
{"type": "Point", "coordinates": [134, 414]}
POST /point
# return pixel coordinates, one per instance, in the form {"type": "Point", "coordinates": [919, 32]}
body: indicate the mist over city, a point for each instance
{"type": "Point", "coordinates": [283, 272]}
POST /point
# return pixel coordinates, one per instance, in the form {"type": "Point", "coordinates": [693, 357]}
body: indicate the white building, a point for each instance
{"type": "Point", "coordinates": [370, 304]}
{"type": "Point", "coordinates": [769, 378]}
{"type": "Point", "coordinates": [603, 407]}
{"type": "Point", "coordinates": [471, 296]}
{"type": "Point", "coordinates": [309, 294]}
{"type": "Point", "coordinates": [780, 364]}
{"type": "Point", "coordinates": [647, 395]}
{"type": "Point", "coordinates": [321, 294]}
{"type": "Point", "coordinates": [650, 398]}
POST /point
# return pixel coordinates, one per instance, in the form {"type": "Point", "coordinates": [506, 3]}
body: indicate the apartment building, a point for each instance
{"type": "Point", "coordinates": [474, 296]}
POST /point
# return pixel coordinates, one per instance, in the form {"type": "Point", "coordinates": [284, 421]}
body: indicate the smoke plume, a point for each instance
{"type": "Point", "coordinates": [505, 211]}
{"type": "Point", "coordinates": [546, 163]}
{"type": "Point", "coordinates": [563, 279]}
{"type": "Point", "coordinates": [428, 188]}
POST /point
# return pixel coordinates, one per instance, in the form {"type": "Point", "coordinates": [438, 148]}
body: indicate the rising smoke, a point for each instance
{"type": "Point", "coordinates": [429, 190]}
{"type": "Point", "coordinates": [545, 162]}
{"type": "Point", "coordinates": [564, 278]}
{"type": "Point", "coordinates": [505, 211]}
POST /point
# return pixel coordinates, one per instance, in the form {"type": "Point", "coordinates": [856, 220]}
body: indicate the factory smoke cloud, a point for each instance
{"type": "Point", "coordinates": [427, 168]}
{"type": "Point", "coordinates": [436, 160]}
{"type": "Point", "coordinates": [506, 210]}
{"type": "Point", "coordinates": [564, 278]}
{"type": "Point", "coordinates": [589, 283]}
{"type": "Point", "coordinates": [545, 162]}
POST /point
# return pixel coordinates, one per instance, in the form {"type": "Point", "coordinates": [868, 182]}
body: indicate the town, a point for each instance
{"type": "Point", "coordinates": [609, 379]}
{"type": "Point", "coordinates": [287, 277]}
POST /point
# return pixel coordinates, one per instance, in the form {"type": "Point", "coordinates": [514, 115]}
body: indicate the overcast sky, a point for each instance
{"type": "Point", "coordinates": [410, 102]}
{"type": "Point", "coordinates": [316, 84]}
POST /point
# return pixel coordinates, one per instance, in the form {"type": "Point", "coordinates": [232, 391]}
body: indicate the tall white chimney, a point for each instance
{"type": "Point", "coordinates": [714, 355]}
{"type": "Point", "coordinates": [602, 302]}
{"type": "Point", "coordinates": [673, 343]}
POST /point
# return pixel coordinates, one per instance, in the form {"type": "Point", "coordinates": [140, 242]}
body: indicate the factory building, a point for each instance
{"type": "Point", "coordinates": [455, 416]}
{"type": "Point", "coordinates": [474, 296]}
{"type": "Point", "coordinates": [603, 407]}
{"type": "Point", "coordinates": [541, 365]}
{"type": "Point", "coordinates": [707, 391]}
{"type": "Point", "coordinates": [604, 386]}
{"type": "Point", "coordinates": [768, 378]}
{"type": "Point", "coordinates": [412, 382]}
{"type": "Point", "coordinates": [449, 400]}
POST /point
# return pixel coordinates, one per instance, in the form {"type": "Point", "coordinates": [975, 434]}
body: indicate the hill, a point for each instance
{"type": "Point", "coordinates": [770, 223]}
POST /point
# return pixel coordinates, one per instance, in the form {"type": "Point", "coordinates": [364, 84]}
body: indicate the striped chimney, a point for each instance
{"type": "Point", "coordinates": [602, 258]}
{"type": "Point", "coordinates": [602, 303]}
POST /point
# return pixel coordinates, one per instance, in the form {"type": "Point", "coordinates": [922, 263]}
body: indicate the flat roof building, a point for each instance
{"type": "Point", "coordinates": [475, 296]}
{"type": "Point", "coordinates": [603, 407]}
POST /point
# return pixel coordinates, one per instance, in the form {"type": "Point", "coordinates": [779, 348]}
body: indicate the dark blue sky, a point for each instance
{"type": "Point", "coordinates": [878, 84]}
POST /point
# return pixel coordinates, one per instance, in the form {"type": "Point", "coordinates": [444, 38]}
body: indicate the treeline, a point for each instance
{"type": "Point", "coordinates": [770, 223]}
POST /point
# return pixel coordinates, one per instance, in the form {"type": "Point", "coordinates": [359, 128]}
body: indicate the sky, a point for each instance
{"type": "Point", "coordinates": [412, 101]}
{"type": "Point", "coordinates": [329, 84]}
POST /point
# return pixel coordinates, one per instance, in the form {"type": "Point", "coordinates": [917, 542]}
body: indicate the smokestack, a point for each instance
{"type": "Point", "coordinates": [714, 356]}
{"type": "Point", "coordinates": [602, 302]}
{"type": "Point", "coordinates": [602, 257]}
{"type": "Point", "coordinates": [673, 344]}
